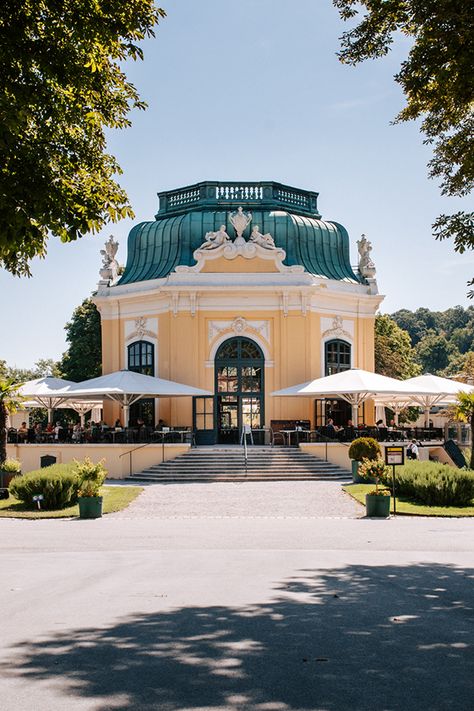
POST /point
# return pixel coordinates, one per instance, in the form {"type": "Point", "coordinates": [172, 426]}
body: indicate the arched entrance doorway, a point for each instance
{"type": "Point", "coordinates": [239, 388]}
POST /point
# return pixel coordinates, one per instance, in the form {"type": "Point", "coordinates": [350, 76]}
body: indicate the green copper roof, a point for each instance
{"type": "Point", "coordinates": [290, 215]}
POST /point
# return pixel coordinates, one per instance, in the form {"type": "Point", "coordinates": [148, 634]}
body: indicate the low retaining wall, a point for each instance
{"type": "Point", "coordinates": [118, 467]}
{"type": "Point", "coordinates": [337, 453]}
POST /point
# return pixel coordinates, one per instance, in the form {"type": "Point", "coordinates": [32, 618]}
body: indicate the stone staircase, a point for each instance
{"type": "Point", "coordinates": [212, 464]}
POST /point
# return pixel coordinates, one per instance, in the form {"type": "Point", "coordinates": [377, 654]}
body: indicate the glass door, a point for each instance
{"type": "Point", "coordinates": [203, 420]}
{"type": "Point", "coordinates": [239, 369]}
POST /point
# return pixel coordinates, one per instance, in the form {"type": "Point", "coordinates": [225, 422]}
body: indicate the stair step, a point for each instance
{"type": "Point", "coordinates": [219, 464]}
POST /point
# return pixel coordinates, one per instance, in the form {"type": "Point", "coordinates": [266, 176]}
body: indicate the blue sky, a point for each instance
{"type": "Point", "coordinates": [253, 90]}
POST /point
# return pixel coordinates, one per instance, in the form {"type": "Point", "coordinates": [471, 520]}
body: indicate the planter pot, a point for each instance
{"type": "Point", "coordinates": [6, 477]}
{"type": "Point", "coordinates": [90, 506]}
{"type": "Point", "coordinates": [377, 506]}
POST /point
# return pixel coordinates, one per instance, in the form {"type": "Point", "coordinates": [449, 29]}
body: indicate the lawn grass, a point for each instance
{"type": "Point", "coordinates": [116, 498]}
{"type": "Point", "coordinates": [408, 507]}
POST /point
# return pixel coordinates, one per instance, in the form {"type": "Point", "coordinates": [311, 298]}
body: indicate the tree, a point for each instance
{"type": "Point", "coordinates": [434, 352]}
{"type": "Point", "coordinates": [61, 86]}
{"type": "Point", "coordinates": [463, 411]}
{"type": "Point", "coordinates": [41, 369]}
{"type": "Point", "coordinates": [83, 359]}
{"type": "Point", "coordinates": [438, 83]}
{"type": "Point", "coordinates": [394, 355]}
{"type": "Point", "coordinates": [9, 402]}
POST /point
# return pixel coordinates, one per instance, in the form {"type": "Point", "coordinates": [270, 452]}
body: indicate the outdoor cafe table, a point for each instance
{"type": "Point", "coordinates": [288, 433]}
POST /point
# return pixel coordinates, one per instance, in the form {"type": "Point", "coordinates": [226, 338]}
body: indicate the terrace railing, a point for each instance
{"type": "Point", "coordinates": [230, 195]}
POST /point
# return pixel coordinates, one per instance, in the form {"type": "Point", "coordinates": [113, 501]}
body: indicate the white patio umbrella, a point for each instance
{"type": "Point", "coordinates": [438, 391]}
{"type": "Point", "coordinates": [127, 387]}
{"type": "Point", "coordinates": [48, 392]}
{"type": "Point", "coordinates": [354, 385]}
{"type": "Point", "coordinates": [82, 407]}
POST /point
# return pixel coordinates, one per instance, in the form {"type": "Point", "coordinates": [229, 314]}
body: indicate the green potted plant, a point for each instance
{"type": "Point", "coordinates": [377, 502]}
{"type": "Point", "coordinates": [360, 449]}
{"type": "Point", "coordinates": [9, 469]}
{"type": "Point", "coordinates": [91, 477]}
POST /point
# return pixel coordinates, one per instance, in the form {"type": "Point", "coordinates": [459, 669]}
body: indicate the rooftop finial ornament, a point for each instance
{"type": "Point", "coordinates": [366, 265]}
{"type": "Point", "coordinates": [240, 220]}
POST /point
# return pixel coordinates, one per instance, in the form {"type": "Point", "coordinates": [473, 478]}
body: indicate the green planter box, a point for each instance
{"type": "Point", "coordinates": [377, 506]}
{"type": "Point", "coordinates": [90, 506]}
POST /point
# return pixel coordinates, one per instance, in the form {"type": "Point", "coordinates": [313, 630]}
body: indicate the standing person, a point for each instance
{"type": "Point", "coordinates": [412, 450]}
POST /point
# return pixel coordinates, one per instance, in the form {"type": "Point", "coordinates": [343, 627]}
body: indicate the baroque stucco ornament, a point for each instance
{"type": "Point", "coordinates": [239, 326]}
{"type": "Point", "coordinates": [141, 329]}
{"type": "Point", "coordinates": [337, 329]}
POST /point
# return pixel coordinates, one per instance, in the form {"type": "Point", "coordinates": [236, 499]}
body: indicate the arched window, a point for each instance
{"type": "Point", "coordinates": [337, 356]}
{"type": "Point", "coordinates": [141, 359]}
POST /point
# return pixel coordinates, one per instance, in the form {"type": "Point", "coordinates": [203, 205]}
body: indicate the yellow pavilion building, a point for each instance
{"type": "Point", "coordinates": [240, 289]}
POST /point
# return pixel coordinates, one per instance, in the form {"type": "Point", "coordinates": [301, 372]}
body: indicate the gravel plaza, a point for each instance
{"type": "Point", "coordinates": [237, 596]}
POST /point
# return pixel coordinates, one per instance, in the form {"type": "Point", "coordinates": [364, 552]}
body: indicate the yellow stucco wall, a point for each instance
{"type": "Point", "coordinates": [185, 353]}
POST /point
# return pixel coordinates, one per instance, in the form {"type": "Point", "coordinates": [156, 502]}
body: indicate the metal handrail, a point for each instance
{"type": "Point", "coordinates": [245, 452]}
{"type": "Point", "coordinates": [130, 452]}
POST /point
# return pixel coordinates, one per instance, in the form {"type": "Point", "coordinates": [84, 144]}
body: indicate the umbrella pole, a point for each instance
{"type": "Point", "coordinates": [126, 411]}
{"type": "Point", "coordinates": [50, 415]}
{"type": "Point", "coordinates": [355, 414]}
{"type": "Point", "coordinates": [427, 416]}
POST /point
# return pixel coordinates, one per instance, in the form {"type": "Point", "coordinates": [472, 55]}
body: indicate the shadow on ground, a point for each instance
{"type": "Point", "coordinates": [355, 638]}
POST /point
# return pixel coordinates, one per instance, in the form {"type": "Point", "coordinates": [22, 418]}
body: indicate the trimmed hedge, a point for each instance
{"type": "Point", "coordinates": [59, 484]}
{"type": "Point", "coordinates": [364, 448]}
{"type": "Point", "coordinates": [433, 484]}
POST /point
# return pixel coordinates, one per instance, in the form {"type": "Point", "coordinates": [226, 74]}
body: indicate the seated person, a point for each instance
{"type": "Point", "coordinates": [118, 426]}
{"type": "Point", "coordinates": [22, 432]}
{"type": "Point", "coordinates": [76, 432]}
{"type": "Point", "coordinates": [332, 429]}
{"type": "Point", "coordinates": [160, 425]}
{"type": "Point", "coordinates": [348, 432]}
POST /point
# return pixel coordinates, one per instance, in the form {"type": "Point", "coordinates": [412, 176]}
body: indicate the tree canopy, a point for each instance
{"type": "Point", "coordinates": [61, 85]}
{"type": "Point", "coordinates": [83, 359]}
{"type": "Point", "coordinates": [437, 80]}
{"type": "Point", "coordinates": [394, 355]}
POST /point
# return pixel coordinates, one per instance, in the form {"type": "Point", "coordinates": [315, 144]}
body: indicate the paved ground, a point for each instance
{"type": "Point", "coordinates": [241, 612]}
{"type": "Point", "coordinates": [254, 499]}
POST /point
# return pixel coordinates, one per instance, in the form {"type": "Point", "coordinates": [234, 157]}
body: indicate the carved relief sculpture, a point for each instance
{"type": "Point", "coordinates": [240, 220]}
{"type": "Point", "coordinates": [366, 265]}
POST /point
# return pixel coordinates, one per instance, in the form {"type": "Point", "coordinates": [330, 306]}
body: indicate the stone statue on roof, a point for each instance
{"type": "Point", "coordinates": [366, 265]}
{"type": "Point", "coordinates": [212, 240]}
{"type": "Point", "coordinates": [265, 240]}
{"type": "Point", "coordinates": [110, 266]}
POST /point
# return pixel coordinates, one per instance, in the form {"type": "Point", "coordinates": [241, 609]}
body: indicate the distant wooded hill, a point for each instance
{"type": "Point", "coordinates": [438, 342]}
